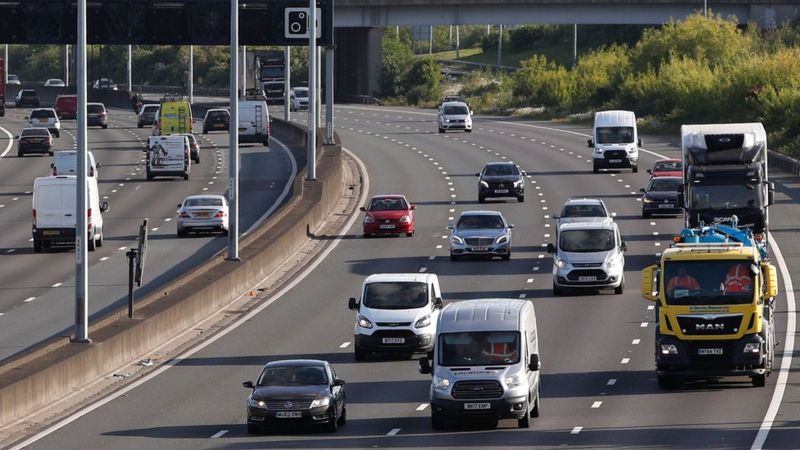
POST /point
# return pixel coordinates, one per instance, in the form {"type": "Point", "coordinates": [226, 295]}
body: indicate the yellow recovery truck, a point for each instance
{"type": "Point", "coordinates": [714, 291]}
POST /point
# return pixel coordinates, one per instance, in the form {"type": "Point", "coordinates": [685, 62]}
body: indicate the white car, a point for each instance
{"type": "Point", "coordinates": [45, 118]}
{"type": "Point", "coordinates": [298, 98]}
{"type": "Point", "coordinates": [454, 116]}
{"type": "Point", "coordinates": [13, 79]}
{"type": "Point", "coordinates": [55, 82]}
{"type": "Point", "coordinates": [207, 212]}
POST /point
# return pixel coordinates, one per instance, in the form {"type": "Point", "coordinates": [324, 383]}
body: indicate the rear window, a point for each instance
{"type": "Point", "coordinates": [28, 93]}
{"type": "Point", "coordinates": [42, 114]}
{"type": "Point", "coordinates": [217, 114]}
{"type": "Point", "coordinates": [35, 132]}
{"type": "Point", "coordinates": [583, 211]}
{"type": "Point", "coordinates": [95, 109]}
{"type": "Point", "coordinates": [151, 109]}
{"type": "Point", "coordinates": [203, 202]}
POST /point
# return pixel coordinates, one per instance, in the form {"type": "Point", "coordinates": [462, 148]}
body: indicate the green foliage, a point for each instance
{"type": "Point", "coordinates": [397, 59]}
{"type": "Point", "coordinates": [424, 80]}
{"type": "Point", "coordinates": [524, 37]}
{"type": "Point", "coordinates": [542, 83]}
{"type": "Point", "coordinates": [487, 92]}
{"type": "Point", "coordinates": [598, 76]}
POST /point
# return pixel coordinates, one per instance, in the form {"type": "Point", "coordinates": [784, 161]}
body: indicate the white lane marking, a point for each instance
{"type": "Point", "coordinates": [596, 405]}
{"type": "Point", "coordinates": [29, 299]}
{"type": "Point", "coordinates": [788, 349]}
{"type": "Point", "coordinates": [636, 341]}
{"type": "Point", "coordinates": [11, 250]}
{"type": "Point", "coordinates": [651, 307]}
{"type": "Point", "coordinates": [644, 325]}
{"type": "Point", "coordinates": [423, 269]}
{"type": "Point", "coordinates": [431, 257]}
{"type": "Point", "coordinates": [439, 246]}
{"type": "Point", "coordinates": [422, 406]}
{"type": "Point", "coordinates": [529, 280]}
{"type": "Point", "coordinates": [576, 430]}
{"type": "Point", "coordinates": [56, 285]}
{"type": "Point", "coordinates": [104, 258]}
{"type": "Point", "coordinates": [122, 248]}
{"type": "Point", "coordinates": [611, 382]}
{"type": "Point", "coordinates": [393, 431]}
{"type": "Point", "coordinates": [167, 219]}
{"type": "Point", "coordinates": [344, 345]}
{"type": "Point", "coordinates": [2, 206]}
{"type": "Point", "coordinates": [15, 198]}
{"type": "Point", "coordinates": [10, 142]}
{"type": "Point", "coordinates": [218, 434]}
{"type": "Point", "coordinates": [625, 361]}
{"type": "Point", "coordinates": [154, 229]}
{"type": "Point", "coordinates": [523, 295]}
{"type": "Point", "coordinates": [444, 237]}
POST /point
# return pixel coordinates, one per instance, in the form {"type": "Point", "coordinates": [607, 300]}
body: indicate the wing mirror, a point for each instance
{"type": "Point", "coordinates": [642, 190]}
{"type": "Point", "coordinates": [413, 206]}
{"type": "Point", "coordinates": [248, 385]}
{"type": "Point", "coordinates": [352, 303]}
{"type": "Point", "coordinates": [640, 142]}
{"type": "Point", "coordinates": [425, 366]}
{"type": "Point", "coordinates": [338, 382]}
{"type": "Point", "coordinates": [590, 143]}
{"type": "Point", "coordinates": [104, 207]}
{"type": "Point", "coordinates": [437, 303]}
{"type": "Point", "coordinates": [179, 205]}
{"type": "Point", "coordinates": [623, 246]}
{"type": "Point", "coordinates": [534, 364]}
{"type": "Point", "coordinates": [450, 227]}
{"type": "Point", "coordinates": [613, 214]}
{"type": "Point", "coordinates": [363, 208]}
{"type": "Point", "coordinates": [477, 174]}
{"type": "Point", "coordinates": [551, 248]}
{"type": "Point", "coordinates": [650, 171]}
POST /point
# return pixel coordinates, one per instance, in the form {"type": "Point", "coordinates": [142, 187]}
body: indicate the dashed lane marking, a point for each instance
{"type": "Point", "coordinates": [344, 345]}
{"type": "Point", "coordinates": [29, 299]}
{"type": "Point", "coordinates": [393, 432]}
{"type": "Point", "coordinates": [576, 430]}
{"type": "Point", "coordinates": [596, 405]}
{"type": "Point", "coordinates": [636, 341]}
{"type": "Point", "coordinates": [218, 434]}
{"type": "Point", "coordinates": [422, 407]}
{"type": "Point", "coordinates": [611, 382]}
{"type": "Point", "coordinates": [625, 361]}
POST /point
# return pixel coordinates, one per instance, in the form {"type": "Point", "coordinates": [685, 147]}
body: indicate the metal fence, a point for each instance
{"type": "Point", "coordinates": [784, 163]}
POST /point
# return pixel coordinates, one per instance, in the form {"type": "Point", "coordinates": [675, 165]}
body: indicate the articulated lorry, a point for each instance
{"type": "Point", "coordinates": [725, 174]}
{"type": "Point", "coordinates": [271, 73]}
{"type": "Point", "coordinates": [714, 291]}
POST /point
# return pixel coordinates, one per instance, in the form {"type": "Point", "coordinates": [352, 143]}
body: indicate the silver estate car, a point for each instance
{"type": "Point", "coordinates": [483, 233]}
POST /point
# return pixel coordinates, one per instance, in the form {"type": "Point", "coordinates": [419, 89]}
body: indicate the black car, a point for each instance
{"type": "Point", "coordinates": [501, 179]}
{"type": "Point", "coordinates": [661, 196]}
{"type": "Point", "coordinates": [216, 120]}
{"type": "Point", "coordinates": [298, 391]}
{"type": "Point", "coordinates": [35, 140]}
{"type": "Point", "coordinates": [27, 97]}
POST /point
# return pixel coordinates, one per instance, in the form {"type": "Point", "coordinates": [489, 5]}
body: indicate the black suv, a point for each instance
{"type": "Point", "coordinates": [27, 97]}
{"type": "Point", "coordinates": [501, 179]}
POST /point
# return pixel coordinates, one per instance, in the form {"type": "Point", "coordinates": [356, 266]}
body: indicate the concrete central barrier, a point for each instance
{"type": "Point", "coordinates": [57, 368]}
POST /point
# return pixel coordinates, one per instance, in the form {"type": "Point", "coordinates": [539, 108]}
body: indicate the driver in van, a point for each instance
{"type": "Point", "coordinates": [738, 279]}
{"type": "Point", "coordinates": [682, 280]}
{"type": "Point", "coordinates": [464, 349]}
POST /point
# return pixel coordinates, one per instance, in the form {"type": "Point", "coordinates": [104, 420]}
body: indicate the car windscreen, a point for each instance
{"type": "Point", "coordinates": [668, 166]}
{"type": "Point", "coordinates": [726, 196]}
{"type": "Point", "coordinates": [583, 211]}
{"type": "Point", "coordinates": [479, 348]}
{"type": "Point", "coordinates": [388, 204]}
{"type": "Point", "coordinates": [95, 109]}
{"type": "Point", "coordinates": [42, 114]}
{"type": "Point", "coordinates": [721, 282]}
{"type": "Point", "coordinates": [586, 241]}
{"type": "Point", "coordinates": [480, 221]}
{"type": "Point", "coordinates": [39, 132]}
{"type": "Point", "coordinates": [293, 376]}
{"type": "Point", "coordinates": [456, 110]}
{"type": "Point", "coordinates": [217, 115]}
{"type": "Point", "coordinates": [665, 184]}
{"type": "Point", "coordinates": [395, 295]}
{"type": "Point", "coordinates": [614, 135]}
{"type": "Point", "coordinates": [202, 202]}
{"type": "Point", "coordinates": [302, 93]}
{"type": "Point", "coordinates": [500, 170]}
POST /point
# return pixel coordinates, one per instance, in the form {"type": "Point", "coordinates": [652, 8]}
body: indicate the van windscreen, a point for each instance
{"type": "Point", "coordinates": [395, 295]}
{"type": "Point", "coordinates": [614, 135]}
{"type": "Point", "coordinates": [479, 348]}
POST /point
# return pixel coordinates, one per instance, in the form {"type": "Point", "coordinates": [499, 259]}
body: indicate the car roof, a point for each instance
{"type": "Point", "coordinates": [480, 212]}
{"type": "Point", "coordinates": [297, 362]}
{"type": "Point", "coordinates": [501, 163]}
{"type": "Point", "coordinates": [679, 179]}
{"type": "Point", "coordinates": [43, 109]}
{"type": "Point", "coordinates": [218, 110]}
{"type": "Point", "coordinates": [668, 160]}
{"type": "Point", "coordinates": [35, 128]}
{"type": "Point", "coordinates": [409, 277]}
{"type": "Point", "coordinates": [486, 314]}
{"type": "Point", "coordinates": [607, 224]}
{"type": "Point", "coordinates": [379, 196]}
{"type": "Point", "coordinates": [584, 201]}
{"type": "Point", "coordinates": [454, 104]}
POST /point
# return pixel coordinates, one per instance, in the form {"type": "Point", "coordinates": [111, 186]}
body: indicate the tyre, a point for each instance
{"type": "Point", "coordinates": [481, 199]}
{"type": "Point", "coordinates": [50, 153]}
{"type": "Point", "coordinates": [359, 354]}
{"type": "Point", "coordinates": [141, 126]}
{"type": "Point", "coordinates": [343, 417]}
{"type": "Point", "coordinates": [645, 215]}
{"type": "Point", "coordinates": [181, 233]}
{"type": "Point", "coordinates": [521, 199]}
{"type": "Point", "coordinates": [557, 291]}
{"type": "Point", "coordinates": [20, 154]}
{"type": "Point", "coordinates": [224, 232]}
{"type": "Point", "coordinates": [536, 409]}
{"type": "Point", "coordinates": [149, 176]}
{"type": "Point", "coordinates": [186, 176]}
{"type": "Point", "coordinates": [37, 245]}
{"type": "Point", "coordinates": [667, 383]}
{"type": "Point", "coordinates": [619, 290]}
{"type": "Point", "coordinates": [507, 256]}
{"type": "Point", "coordinates": [468, 131]}
{"type": "Point", "coordinates": [99, 241]}
{"type": "Point", "coordinates": [58, 134]}
{"type": "Point", "coordinates": [411, 234]}
{"type": "Point", "coordinates": [455, 257]}
{"type": "Point", "coordinates": [595, 169]}
{"type": "Point", "coordinates": [253, 428]}
{"type": "Point", "coordinates": [437, 422]}
{"type": "Point", "coordinates": [205, 131]}
{"type": "Point", "coordinates": [759, 380]}
{"type": "Point", "coordinates": [333, 424]}
{"type": "Point", "coordinates": [441, 130]}
{"type": "Point", "coordinates": [635, 169]}
{"type": "Point", "coordinates": [90, 244]}
{"type": "Point", "coordinates": [525, 421]}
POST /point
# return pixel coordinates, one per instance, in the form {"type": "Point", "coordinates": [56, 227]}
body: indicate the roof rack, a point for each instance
{"type": "Point", "coordinates": [172, 98]}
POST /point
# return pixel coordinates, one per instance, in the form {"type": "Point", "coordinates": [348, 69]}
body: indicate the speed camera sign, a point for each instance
{"type": "Point", "coordinates": [296, 23]}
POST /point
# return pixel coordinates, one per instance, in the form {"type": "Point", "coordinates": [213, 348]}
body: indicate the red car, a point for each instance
{"type": "Point", "coordinates": [389, 214]}
{"type": "Point", "coordinates": [666, 168]}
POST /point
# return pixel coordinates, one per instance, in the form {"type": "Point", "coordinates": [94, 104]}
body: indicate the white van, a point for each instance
{"type": "Point", "coordinates": [615, 141]}
{"type": "Point", "coordinates": [485, 362]}
{"type": "Point", "coordinates": [254, 124]}
{"type": "Point", "coordinates": [66, 163]}
{"type": "Point", "coordinates": [54, 210]}
{"type": "Point", "coordinates": [168, 156]}
{"type": "Point", "coordinates": [398, 313]}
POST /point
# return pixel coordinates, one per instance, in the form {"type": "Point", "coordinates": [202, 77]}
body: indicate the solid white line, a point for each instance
{"type": "Point", "coordinates": [30, 299]}
{"type": "Point", "coordinates": [218, 434]}
{"type": "Point", "coordinates": [422, 407]}
{"type": "Point", "coordinates": [576, 430]}
{"type": "Point", "coordinates": [10, 142]}
{"type": "Point", "coordinates": [284, 193]}
{"type": "Point", "coordinates": [788, 349]}
{"type": "Point", "coordinates": [56, 285]}
{"type": "Point", "coordinates": [344, 345]}
{"type": "Point", "coordinates": [222, 333]}
{"type": "Point", "coordinates": [393, 431]}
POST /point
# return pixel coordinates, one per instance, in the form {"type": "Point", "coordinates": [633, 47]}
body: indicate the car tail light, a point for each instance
{"type": "Point", "coordinates": [219, 214]}
{"type": "Point", "coordinates": [184, 215]}
{"type": "Point", "coordinates": [34, 217]}
{"type": "Point", "coordinates": [89, 217]}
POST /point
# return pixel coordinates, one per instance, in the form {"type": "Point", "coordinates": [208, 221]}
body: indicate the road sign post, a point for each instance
{"type": "Point", "coordinates": [81, 234]}
{"type": "Point", "coordinates": [233, 141]}
{"type": "Point", "coordinates": [311, 172]}
{"type": "Point", "coordinates": [131, 254]}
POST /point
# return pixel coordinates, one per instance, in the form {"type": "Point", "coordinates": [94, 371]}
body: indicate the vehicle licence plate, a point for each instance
{"type": "Point", "coordinates": [615, 160]}
{"type": "Point", "coordinates": [387, 227]}
{"type": "Point", "coordinates": [473, 406]}
{"type": "Point", "coordinates": [709, 351]}
{"type": "Point", "coordinates": [587, 278]}
{"type": "Point", "coordinates": [202, 214]}
{"type": "Point", "coordinates": [51, 232]}
{"type": "Point", "coordinates": [501, 191]}
{"type": "Point", "coordinates": [289, 414]}
{"type": "Point", "coordinates": [665, 205]}
{"type": "Point", "coordinates": [480, 249]}
{"type": "Point", "coordinates": [393, 340]}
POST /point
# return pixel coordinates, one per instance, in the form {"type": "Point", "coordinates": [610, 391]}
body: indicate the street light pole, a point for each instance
{"type": "Point", "coordinates": [191, 75]}
{"type": "Point", "coordinates": [287, 84]}
{"type": "Point", "coordinates": [233, 133]}
{"type": "Point", "coordinates": [130, 68]}
{"type": "Point", "coordinates": [311, 172]}
{"type": "Point", "coordinates": [81, 274]}
{"type": "Point", "coordinates": [66, 65]}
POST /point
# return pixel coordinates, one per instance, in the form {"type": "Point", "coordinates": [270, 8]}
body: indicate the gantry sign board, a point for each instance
{"type": "Point", "coordinates": [168, 22]}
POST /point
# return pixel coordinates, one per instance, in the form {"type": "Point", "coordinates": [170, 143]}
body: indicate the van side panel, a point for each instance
{"type": "Point", "coordinates": [254, 122]}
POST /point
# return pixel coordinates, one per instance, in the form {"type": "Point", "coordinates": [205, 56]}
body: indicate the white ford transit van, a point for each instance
{"type": "Point", "coordinates": [485, 362]}
{"type": "Point", "coordinates": [168, 156]}
{"type": "Point", "coordinates": [254, 123]}
{"type": "Point", "coordinates": [54, 212]}
{"type": "Point", "coordinates": [66, 163]}
{"type": "Point", "coordinates": [615, 141]}
{"type": "Point", "coordinates": [398, 313]}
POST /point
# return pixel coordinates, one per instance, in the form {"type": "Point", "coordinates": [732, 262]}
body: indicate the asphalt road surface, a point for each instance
{"type": "Point", "coordinates": [598, 384]}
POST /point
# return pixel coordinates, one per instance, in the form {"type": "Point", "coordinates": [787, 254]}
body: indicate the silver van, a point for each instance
{"type": "Point", "coordinates": [485, 362]}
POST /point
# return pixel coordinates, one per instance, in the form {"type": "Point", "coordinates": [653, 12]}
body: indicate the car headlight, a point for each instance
{"type": "Point", "coordinates": [501, 240]}
{"type": "Point", "coordinates": [363, 322]}
{"type": "Point", "coordinates": [598, 151]}
{"type": "Point", "coordinates": [447, 120]}
{"type": "Point", "coordinates": [561, 263]}
{"type": "Point", "coordinates": [631, 149]}
{"type": "Point", "coordinates": [369, 219]}
{"type": "Point", "coordinates": [405, 219]}
{"type": "Point", "coordinates": [514, 381]}
{"type": "Point", "coordinates": [752, 347]}
{"type": "Point", "coordinates": [669, 349]}
{"type": "Point", "coordinates": [484, 184]}
{"type": "Point", "coordinates": [456, 240]}
{"type": "Point", "coordinates": [256, 403]}
{"type": "Point", "coordinates": [519, 183]}
{"type": "Point", "coordinates": [646, 199]}
{"type": "Point", "coordinates": [318, 402]}
{"type": "Point", "coordinates": [423, 322]}
{"type": "Point", "coordinates": [440, 383]}
{"type": "Point", "coordinates": [612, 262]}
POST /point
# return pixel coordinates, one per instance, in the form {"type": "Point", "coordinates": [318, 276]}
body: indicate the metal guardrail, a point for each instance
{"type": "Point", "coordinates": [364, 99]}
{"type": "Point", "coordinates": [207, 92]}
{"type": "Point", "coordinates": [783, 162]}
{"type": "Point", "coordinates": [468, 66]}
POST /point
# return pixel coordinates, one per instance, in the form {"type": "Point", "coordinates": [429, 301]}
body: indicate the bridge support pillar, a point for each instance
{"type": "Point", "coordinates": [358, 61]}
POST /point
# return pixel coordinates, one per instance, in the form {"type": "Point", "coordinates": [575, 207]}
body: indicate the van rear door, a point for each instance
{"type": "Point", "coordinates": [55, 206]}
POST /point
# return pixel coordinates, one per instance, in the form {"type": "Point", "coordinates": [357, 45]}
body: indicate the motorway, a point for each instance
{"type": "Point", "coordinates": [599, 388]}
{"type": "Point", "coordinates": [37, 290]}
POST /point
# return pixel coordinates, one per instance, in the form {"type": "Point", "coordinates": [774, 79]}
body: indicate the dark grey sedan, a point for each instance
{"type": "Point", "coordinates": [480, 233]}
{"type": "Point", "coordinates": [297, 391]}
{"type": "Point", "coordinates": [661, 197]}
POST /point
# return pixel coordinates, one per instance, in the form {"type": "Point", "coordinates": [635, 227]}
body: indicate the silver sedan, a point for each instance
{"type": "Point", "coordinates": [483, 233]}
{"type": "Point", "coordinates": [203, 213]}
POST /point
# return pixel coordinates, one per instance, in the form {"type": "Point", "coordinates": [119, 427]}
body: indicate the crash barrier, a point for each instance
{"type": "Point", "coordinates": [783, 162]}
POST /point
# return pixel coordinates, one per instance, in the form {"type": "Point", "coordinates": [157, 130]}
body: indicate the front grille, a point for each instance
{"type": "Point", "coordinates": [283, 405]}
{"type": "Point", "coordinates": [615, 154]}
{"type": "Point", "coordinates": [407, 334]}
{"type": "Point", "coordinates": [710, 324]}
{"type": "Point", "coordinates": [587, 264]}
{"type": "Point", "coordinates": [576, 274]}
{"type": "Point", "coordinates": [479, 241]}
{"type": "Point", "coordinates": [479, 389]}
{"type": "Point", "coordinates": [393, 324]}
{"type": "Point", "coordinates": [501, 185]}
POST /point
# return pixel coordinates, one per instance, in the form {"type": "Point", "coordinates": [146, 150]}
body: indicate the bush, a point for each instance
{"type": "Point", "coordinates": [542, 83]}
{"type": "Point", "coordinates": [397, 58]}
{"type": "Point", "coordinates": [424, 81]}
{"type": "Point", "coordinates": [598, 76]}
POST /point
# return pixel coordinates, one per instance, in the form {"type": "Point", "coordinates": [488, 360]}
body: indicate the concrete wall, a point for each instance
{"type": "Point", "coordinates": [57, 368]}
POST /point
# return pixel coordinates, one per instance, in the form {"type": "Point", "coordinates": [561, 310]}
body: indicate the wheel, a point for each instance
{"type": "Point", "coordinates": [410, 234]}
{"type": "Point", "coordinates": [759, 380]}
{"type": "Point", "coordinates": [367, 235]}
{"type": "Point", "coordinates": [90, 244]}
{"type": "Point", "coordinates": [58, 134]}
{"type": "Point", "coordinates": [441, 130]}
{"type": "Point", "coordinates": [535, 410]}
{"type": "Point", "coordinates": [595, 169]}
{"type": "Point", "coordinates": [149, 176]}
{"type": "Point", "coordinates": [50, 153]}
{"type": "Point", "coordinates": [437, 421]}
{"type": "Point", "coordinates": [205, 131]}
{"type": "Point", "coordinates": [557, 291]}
{"type": "Point", "coordinates": [621, 288]}
{"type": "Point", "coordinates": [455, 257]}
{"type": "Point", "coordinates": [99, 241]}
{"type": "Point", "coordinates": [521, 199]}
{"type": "Point", "coordinates": [181, 233]}
{"type": "Point", "coordinates": [37, 245]}
{"type": "Point", "coordinates": [481, 199]}
{"type": "Point", "coordinates": [343, 417]}
{"type": "Point", "coordinates": [186, 176]}
{"type": "Point", "coordinates": [224, 232]}
{"type": "Point", "coordinates": [507, 256]}
{"type": "Point", "coordinates": [635, 169]}
{"type": "Point", "coordinates": [525, 421]}
{"type": "Point", "coordinates": [333, 424]}
{"type": "Point", "coordinates": [142, 126]}
{"type": "Point", "coordinates": [645, 215]}
{"type": "Point", "coordinates": [667, 383]}
{"type": "Point", "coordinates": [468, 131]}
{"type": "Point", "coordinates": [253, 428]}
{"type": "Point", "coordinates": [20, 154]}
{"type": "Point", "coordinates": [359, 354]}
